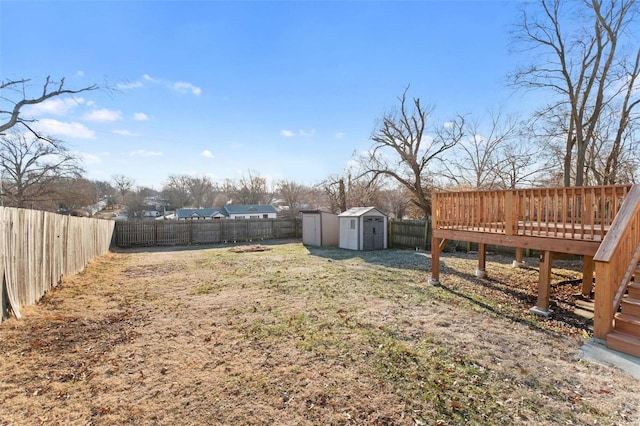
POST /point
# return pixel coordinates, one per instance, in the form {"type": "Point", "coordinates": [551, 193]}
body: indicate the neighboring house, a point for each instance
{"type": "Point", "coordinates": [252, 211]}
{"type": "Point", "coordinates": [199, 214]}
{"type": "Point", "coordinates": [259, 211]}
{"type": "Point", "coordinates": [168, 215]}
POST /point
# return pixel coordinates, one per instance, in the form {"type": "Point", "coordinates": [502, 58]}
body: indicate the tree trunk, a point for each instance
{"type": "Point", "coordinates": [342, 196]}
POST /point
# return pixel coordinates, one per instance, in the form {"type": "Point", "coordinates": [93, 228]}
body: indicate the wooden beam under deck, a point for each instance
{"type": "Point", "coordinates": [559, 245]}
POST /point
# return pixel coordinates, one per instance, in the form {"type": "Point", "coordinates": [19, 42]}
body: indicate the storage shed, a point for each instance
{"type": "Point", "coordinates": [363, 228]}
{"type": "Point", "coordinates": [320, 228]}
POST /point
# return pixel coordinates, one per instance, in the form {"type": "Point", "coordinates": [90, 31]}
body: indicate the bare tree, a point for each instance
{"type": "Point", "coordinates": [474, 162]}
{"type": "Point", "coordinates": [123, 184]}
{"type": "Point", "coordinates": [293, 194]}
{"type": "Point", "coordinates": [201, 191]}
{"type": "Point", "coordinates": [402, 150]}
{"type": "Point", "coordinates": [252, 189]}
{"type": "Point", "coordinates": [137, 201]}
{"type": "Point", "coordinates": [523, 164]}
{"type": "Point", "coordinates": [587, 70]}
{"type": "Point", "coordinates": [345, 191]}
{"type": "Point", "coordinates": [335, 193]}
{"type": "Point", "coordinates": [30, 166]}
{"type": "Point", "coordinates": [623, 150]}
{"type": "Point", "coordinates": [73, 193]}
{"type": "Point", "coordinates": [105, 191]}
{"type": "Point", "coordinates": [396, 201]}
{"type": "Point", "coordinates": [14, 95]}
{"type": "Point", "coordinates": [177, 190]}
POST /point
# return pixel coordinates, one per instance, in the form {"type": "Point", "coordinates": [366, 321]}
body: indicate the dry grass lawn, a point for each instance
{"type": "Point", "coordinates": [290, 335]}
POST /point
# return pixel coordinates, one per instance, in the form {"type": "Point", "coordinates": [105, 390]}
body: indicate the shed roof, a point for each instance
{"type": "Point", "coordinates": [359, 211]}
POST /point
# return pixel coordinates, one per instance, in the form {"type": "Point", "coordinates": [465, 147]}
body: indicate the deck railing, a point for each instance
{"type": "Point", "coordinates": [571, 212]}
{"type": "Point", "coordinates": [615, 262]}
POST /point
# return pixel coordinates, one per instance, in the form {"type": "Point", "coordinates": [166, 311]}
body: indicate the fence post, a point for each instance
{"type": "Point", "coordinates": [426, 233]}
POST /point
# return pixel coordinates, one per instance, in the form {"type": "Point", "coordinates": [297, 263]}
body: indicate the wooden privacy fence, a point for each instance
{"type": "Point", "coordinates": [147, 233]}
{"type": "Point", "coordinates": [416, 234]}
{"type": "Point", "coordinates": [38, 248]}
{"type": "Point", "coordinates": [413, 234]}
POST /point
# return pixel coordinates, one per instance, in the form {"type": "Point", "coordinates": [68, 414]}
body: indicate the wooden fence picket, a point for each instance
{"type": "Point", "coordinates": [38, 248]}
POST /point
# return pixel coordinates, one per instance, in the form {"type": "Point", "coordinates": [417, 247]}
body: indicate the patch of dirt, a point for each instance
{"type": "Point", "coordinates": [305, 336]}
{"type": "Point", "coordinates": [249, 249]}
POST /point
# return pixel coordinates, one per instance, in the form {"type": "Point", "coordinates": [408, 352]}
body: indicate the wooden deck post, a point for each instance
{"type": "Point", "coordinates": [587, 276]}
{"type": "Point", "coordinates": [481, 272]}
{"type": "Point", "coordinates": [518, 263]}
{"type": "Point", "coordinates": [603, 303]}
{"type": "Point", "coordinates": [435, 261]}
{"type": "Point", "coordinates": [544, 285]}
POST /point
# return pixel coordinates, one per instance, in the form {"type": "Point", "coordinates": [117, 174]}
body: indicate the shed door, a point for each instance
{"type": "Point", "coordinates": [311, 230]}
{"type": "Point", "coordinates": [373, 230]}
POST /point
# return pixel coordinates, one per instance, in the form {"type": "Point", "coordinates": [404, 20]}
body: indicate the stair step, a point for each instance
{"type": "Point", "coordinates": [627, 323]}
{"type": "Point", "coordinates": [634, 289]}
{"type": "Point", "coordinates": [623, 342]}
{"type": "Point", "coordinates": [631, 306]}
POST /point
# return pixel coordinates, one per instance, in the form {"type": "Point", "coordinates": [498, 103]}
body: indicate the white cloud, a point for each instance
{"type": "Point", "coordinates": [184, 87]}
{"type": "Point", "coordinates": [53, 127]}
{"type": "Point", "coordinates": [103, 115]}
{"type": "Point", "coordinates": [178, 86]}
{"type": "Point", "coordinates": [307, 134]}
{"type": "Point", "coordinates": [129, 85]}
{"type": "Point", "coordinates": [57, 106]}
{"type": "Point", "coordinates": [339, 135]}
{"type": "Point", "coordinates": [89, 158]}
{"type": "Point", "coordinates": [80, 73]}
{"type": "Point", "coordinates": [149, 78]}
{"type": "Point", "coordinates": [302, 133]}
{"type": "Point", "coordinates": [140, 116]}
{"type": "Point", "coordinates": [144, 153]}
{"type": "Point", "coordinates": [124, 132]}
{"type": "Point", "coordinates": [206, 153]}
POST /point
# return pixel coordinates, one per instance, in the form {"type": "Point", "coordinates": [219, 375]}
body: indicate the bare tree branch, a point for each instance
{"type": "Point", "coordinates": [9, 117]}
{"type": "Point", "coordinates": [402, 151]}
{"type": "Point", "coordinates": [583, 67]}
{"type": "Point", "coordinates": [29, 167]}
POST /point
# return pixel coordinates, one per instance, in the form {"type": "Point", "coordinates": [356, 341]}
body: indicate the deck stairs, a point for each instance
{"type": "Point", "coordinates": [625, 336]}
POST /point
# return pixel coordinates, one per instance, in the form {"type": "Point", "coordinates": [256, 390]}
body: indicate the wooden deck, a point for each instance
{"type": "Point", "coordinates": [554, 221]}
{"type": "Point", "coordinates": [581, 217]}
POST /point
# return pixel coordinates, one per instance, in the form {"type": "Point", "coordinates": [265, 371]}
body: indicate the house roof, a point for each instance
{"type": "Point", "coordinates": [188, 213]}
{"type": "Point", "coordinates": [359, 211]}
{"type": "Point", "coordinates": [249, 208]}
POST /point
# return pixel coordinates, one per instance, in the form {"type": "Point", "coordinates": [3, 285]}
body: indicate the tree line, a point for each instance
{"type": "Point", "coordinates": [582, 56]}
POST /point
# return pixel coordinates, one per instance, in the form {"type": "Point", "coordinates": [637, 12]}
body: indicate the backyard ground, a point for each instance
{"type": "Point", "coordinates": [289, 335]}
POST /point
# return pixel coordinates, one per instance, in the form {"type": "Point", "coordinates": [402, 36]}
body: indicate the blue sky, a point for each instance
{"type": "Point", "coordinates": [289, 89]}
